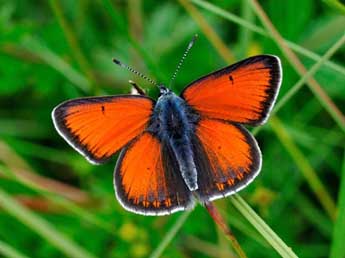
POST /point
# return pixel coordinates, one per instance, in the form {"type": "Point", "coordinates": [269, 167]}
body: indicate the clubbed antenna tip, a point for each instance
{"type": "Point", "coordinates": [117, 62]}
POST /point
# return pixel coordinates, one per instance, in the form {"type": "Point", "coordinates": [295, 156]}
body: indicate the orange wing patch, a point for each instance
{"type": "Point", "coordinates": [98, 127]}
{"type": "Point", "coordinates": [242, 93]}
{"type": "Point", "coordinates": [147, 179]}
{"type": "Point", "coordinates": [228, 158]}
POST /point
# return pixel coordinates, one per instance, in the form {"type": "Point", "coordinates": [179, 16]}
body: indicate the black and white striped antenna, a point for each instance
{"type": "Point", "coordinates": [190, 45]}
{"type": "Point", "coordinates": [134, 71]}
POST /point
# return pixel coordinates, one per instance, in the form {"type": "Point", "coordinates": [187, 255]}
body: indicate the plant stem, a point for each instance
{"type": "Point", "coordinates": [219, 220]}
{"type": "Point", "coordinates": [321, 95]}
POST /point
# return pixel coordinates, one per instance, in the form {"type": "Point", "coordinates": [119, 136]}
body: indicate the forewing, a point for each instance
{"type": "Point", "coordinates": [227, 158]}
{"type": "Point", "coordinates": [147, 178]}
{"type": "Point", "coordinates": [98, 127]}
{"type": "Point", "coordinates": [244, 92]}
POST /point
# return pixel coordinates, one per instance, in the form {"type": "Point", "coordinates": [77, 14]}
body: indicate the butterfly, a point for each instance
{"type": "Point", "coordinates": [179, 148]}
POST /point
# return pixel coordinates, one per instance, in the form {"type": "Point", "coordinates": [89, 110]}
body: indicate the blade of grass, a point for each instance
{"type": "Point", "coordinates": [212, 36]}
{"type": "Point", "coordinates": [42, 227]}
{"type": "Point", "coordinates": [272, 238]}
{"type": "Point", "coordinates": [8, 251]}
{"type": "Point", "coordinates": [238, 20]}
{"type": "Point", "coordinates": [121, 27]}
{"type": "Point", "coordinates": [170, 234]}
{"type": "Point", "coordinates": [336, 5]}
{"type": "Point", "coordinates": [321, 95]}
{"type": "Point", "coordinates": [339, 43]}
{"type": "Point", "coordinates": [305, 167]}
{"type": "Point", "coordinates": [57, 63]}
{"type": "Point", "coordinates": [72, 42]}
{"type": "Point", "coordinates": [337, 245]}
{"type": "Point", "coordinates": [245, 34]}
{"type": "Point", "coordinates": [82, 213]}
{"type": "Point", "coordinates": [52, 190]}
{"type": "Point", "coordinates": [298, 85]}
{"type": "Point", "coordinates": [316, 216]}
{"type": "Point", "coordinates": [30, 149]}
{"type": "Point", "coordinates": [23, 171]}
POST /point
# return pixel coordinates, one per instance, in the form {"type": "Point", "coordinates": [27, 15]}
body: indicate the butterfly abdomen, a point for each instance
{"type": "Point", "coordinates": [171, 122]}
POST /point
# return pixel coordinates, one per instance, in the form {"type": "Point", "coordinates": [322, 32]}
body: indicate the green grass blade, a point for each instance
{"type": "Point", "coordinates": [238, 20]}
{"type": "Point", "coordinates": [82, 213]}
{"type": "Point", "coordinates": [310, 73]}
{"type": "Point", "coordinates": [272, 238]}
{"type": "Point", "coordinates": [337, 246]}
{"type": "Point", "coordinates": [57, 63]}
{"type": "Point", "coordinates": [303, 164]}
{"type": "Point", "coordinates": [8, 251]}
{"type": "Point", "coordinates": [245, 34]}
{"type": "Point", "coordinates": [151, 65]}
{"type": "Point", "coordinates": [170, 235]}
{"type": "Point", "coordinates": [72, 41]}
{"type": "Point", "coordinates": [42, 227]}
{"type": "Point", "coordinates": [336, 5]}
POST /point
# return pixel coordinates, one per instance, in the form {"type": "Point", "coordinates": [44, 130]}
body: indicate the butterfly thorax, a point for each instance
{"type": "Point", "coordinates": [173, 122]}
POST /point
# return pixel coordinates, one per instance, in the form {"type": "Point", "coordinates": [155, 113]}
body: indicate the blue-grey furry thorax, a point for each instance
{"type": "Point", "coordinates": [173, 121]}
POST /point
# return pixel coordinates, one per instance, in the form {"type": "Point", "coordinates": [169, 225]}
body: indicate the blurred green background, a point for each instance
{"type": "Point", "coordinates": [53, 203]}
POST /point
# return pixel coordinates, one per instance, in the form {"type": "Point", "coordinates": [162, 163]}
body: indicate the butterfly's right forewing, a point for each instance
{"type": "Point", "coordinates": [241, 93]}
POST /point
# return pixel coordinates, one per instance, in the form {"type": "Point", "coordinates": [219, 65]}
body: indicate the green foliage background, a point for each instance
{"type": "Point", "coordinates": [53, 203]}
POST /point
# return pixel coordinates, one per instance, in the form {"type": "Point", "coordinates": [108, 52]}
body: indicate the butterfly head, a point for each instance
{"type": "Point", "coordinates": [163, 90]}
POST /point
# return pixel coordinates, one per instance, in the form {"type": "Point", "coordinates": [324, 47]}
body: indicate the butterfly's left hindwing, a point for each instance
{"type": "Point", "coordinates": [227, 158]}
{"type": "Point", "coordinates": [147, 178]}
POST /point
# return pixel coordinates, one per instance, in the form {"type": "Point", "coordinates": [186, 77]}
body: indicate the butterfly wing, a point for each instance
{"type": "Point", "coordinates": [243, 92]}
{"type": "Point", "coordinates": [147, 179]}
{"type": "Point", "coordinates": [98, 127]}
{"type": "Point", "coordinates": [227, 157]}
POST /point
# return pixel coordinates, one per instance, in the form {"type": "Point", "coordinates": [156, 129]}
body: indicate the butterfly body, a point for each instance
{"type": "Point", "coordinates": [174, 124]}
{"type": "Point", "coordinates": [178, 149]}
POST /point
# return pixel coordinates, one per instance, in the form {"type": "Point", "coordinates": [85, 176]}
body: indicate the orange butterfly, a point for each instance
{"type": "Point", "coordinates": [178, 148]}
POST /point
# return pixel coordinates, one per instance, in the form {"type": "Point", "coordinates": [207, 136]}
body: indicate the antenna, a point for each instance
{"type": "Point", "coordinates": [191, 43]}
{"type": "Point", "coordinates": [134, 71]}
